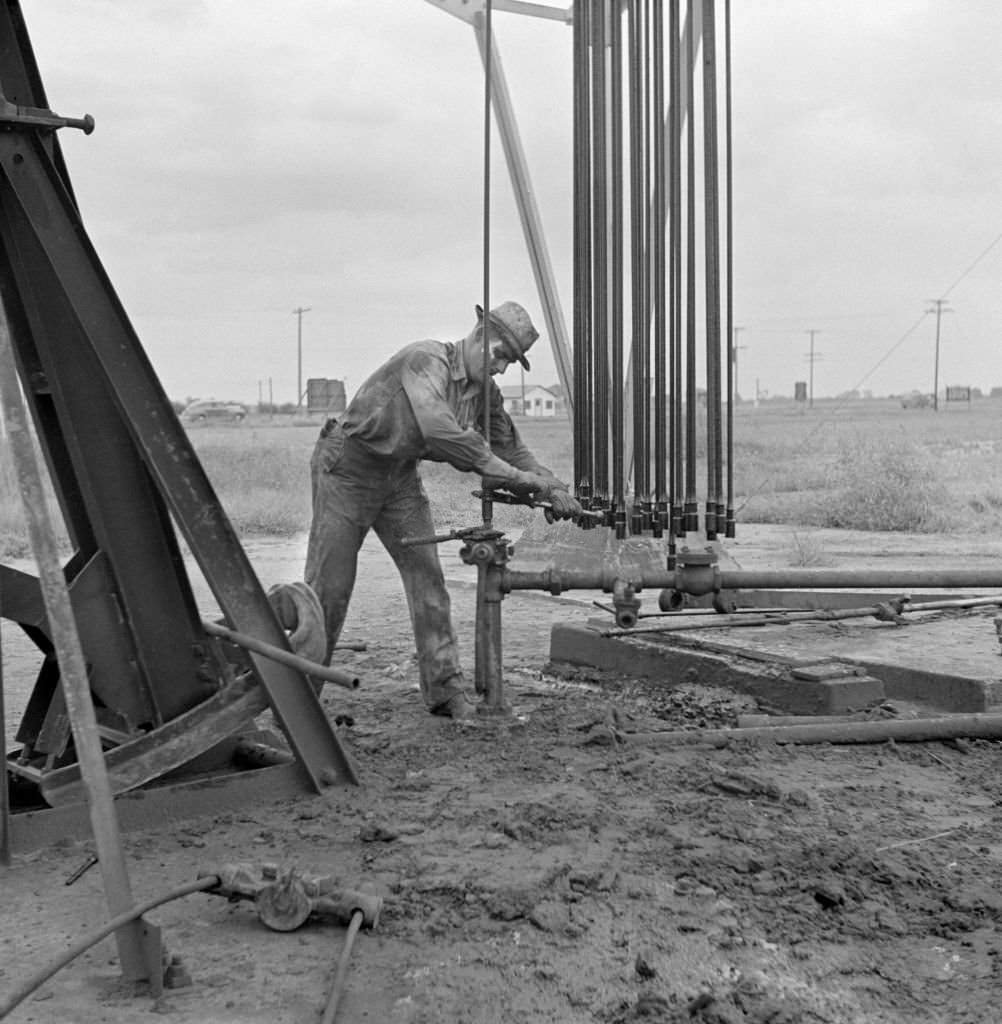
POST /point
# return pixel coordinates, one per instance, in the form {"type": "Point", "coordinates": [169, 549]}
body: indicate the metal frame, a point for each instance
{"type": "Point", "coordinates": [472, 12]}
{"type": "Point", "coordinates": [125, 476]}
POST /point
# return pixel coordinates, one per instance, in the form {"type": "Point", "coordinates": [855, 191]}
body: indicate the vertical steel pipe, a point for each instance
{"type": "Point", "coordinates": [486, 505]}
{"type": "Point", "coordinates": [729, 525]}
{"type": "Point", "coordinates": [711, 252]}
{"type": "Point", "coordinates": [638, 205]}
{"type": "Point", "coordinates": [582, 252]}
{"type": "Point", "coordinates": [619, 468]}
{"type": "Point", "coordinates": [691, 506]}
{"type": "Point", "coordinates": [675, 268]}
{"type": "Point", "coordinates": [600, 251]}
{"type": "Point", "coordinates": [661, 511]}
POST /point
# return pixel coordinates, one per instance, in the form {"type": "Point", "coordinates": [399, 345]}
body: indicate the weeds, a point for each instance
{"type": "Point", "coordinates": [882, 483]}
{"type": "Point", "coordinates": [808, 551]}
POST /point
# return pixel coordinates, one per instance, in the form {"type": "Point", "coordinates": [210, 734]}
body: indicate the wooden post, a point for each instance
{"type": "Point", "coordinates": [138, 944]}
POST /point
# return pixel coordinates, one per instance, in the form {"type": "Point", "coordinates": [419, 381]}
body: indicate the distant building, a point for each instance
{"type": "Point", "coordinates": [533, 400]}
{"type": "Point", "coordinates": [325, 395]}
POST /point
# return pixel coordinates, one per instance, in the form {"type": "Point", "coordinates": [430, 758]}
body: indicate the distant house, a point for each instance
{"type": "Point", "coordinates": [533, 400]}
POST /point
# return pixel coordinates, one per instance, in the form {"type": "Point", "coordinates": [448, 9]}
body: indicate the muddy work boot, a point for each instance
{"type": "Point", "coordinates": [458, 707]}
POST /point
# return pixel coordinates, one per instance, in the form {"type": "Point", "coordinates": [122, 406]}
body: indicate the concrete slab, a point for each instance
{"type": "Point", "coordinates": [949, 661]}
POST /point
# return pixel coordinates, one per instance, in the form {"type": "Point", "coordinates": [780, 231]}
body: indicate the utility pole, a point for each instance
{"type": "Point", "coordinates": [812, 358]}
{"type": "Point", "coordinates": [298, 313]}
{"type": "Point", "coordinates": [935, 373]}
{"type": "Point", "coordinates": [735, 347]}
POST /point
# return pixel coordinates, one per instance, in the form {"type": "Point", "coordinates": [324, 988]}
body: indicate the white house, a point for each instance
{"type": "Point", "coordinates": [533, 400]}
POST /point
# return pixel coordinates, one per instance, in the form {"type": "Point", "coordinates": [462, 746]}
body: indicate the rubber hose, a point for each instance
{"type": "Point", "coordinates": [330, 1010]}
{"type": "Point", "coordinates": [37, 980]}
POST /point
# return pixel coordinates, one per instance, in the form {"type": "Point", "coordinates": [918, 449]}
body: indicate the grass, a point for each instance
{"type": "Point", "coordinates": [867, 466]}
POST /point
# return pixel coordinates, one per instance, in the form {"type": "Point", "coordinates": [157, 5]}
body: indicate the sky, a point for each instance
{"type": "Point", "coordinates": [252, 159]}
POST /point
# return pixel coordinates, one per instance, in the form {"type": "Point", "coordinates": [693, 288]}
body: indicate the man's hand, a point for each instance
{"type": "Point", "coordinates": [530, 483]}
{"type": "Point", "coordinates": [562, 506]}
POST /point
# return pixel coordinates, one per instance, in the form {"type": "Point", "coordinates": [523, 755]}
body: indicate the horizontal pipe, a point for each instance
{"type": "Point", "coordinates": [304, 665]}
{"type": "Point", "coordinates": [912, 730]}
{"type": "Point", "coordinates": [557, 580]}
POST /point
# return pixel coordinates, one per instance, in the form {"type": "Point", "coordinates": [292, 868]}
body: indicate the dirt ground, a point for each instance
{"type": "Point", "coordinates": [547, 869]}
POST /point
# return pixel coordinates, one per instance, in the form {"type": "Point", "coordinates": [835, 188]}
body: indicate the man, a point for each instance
{"type": "Point", "coordinates": [426, 402]}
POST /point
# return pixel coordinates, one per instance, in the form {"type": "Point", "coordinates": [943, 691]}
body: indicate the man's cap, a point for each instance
{"type": "Point", "coordinates": [512, 323]}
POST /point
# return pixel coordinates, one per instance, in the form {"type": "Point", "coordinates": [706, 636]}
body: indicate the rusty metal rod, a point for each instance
{"type": "Point", "coordinates": [776, 721]}
{"type": "Point", "coordinates": [266, 650]}
{"type": "Point", "coordinates": [915, 730]}
{"type": "Point", "coordinates": [783, 617]}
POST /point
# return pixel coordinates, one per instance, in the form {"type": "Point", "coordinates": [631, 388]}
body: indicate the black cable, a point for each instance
{"type": "Point", "coordinates": [337, 989]}
{"type": "Point", "coordinates": [40, 977]}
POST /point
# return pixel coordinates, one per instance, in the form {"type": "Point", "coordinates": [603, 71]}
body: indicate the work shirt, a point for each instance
{"type": "Point", "coordinates": [422, 404]}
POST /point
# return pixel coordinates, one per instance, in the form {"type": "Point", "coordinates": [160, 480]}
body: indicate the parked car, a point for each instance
{"type": "Point", "coordinates": [917, 400]}
{"type": "Point", "coordinates": [211, 411]}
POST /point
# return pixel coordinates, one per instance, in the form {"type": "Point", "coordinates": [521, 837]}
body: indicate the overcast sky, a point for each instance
{"type": "Point", "coordinates": [251, 158]}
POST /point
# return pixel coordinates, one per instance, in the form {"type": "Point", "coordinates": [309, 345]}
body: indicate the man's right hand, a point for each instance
{"type": "Point", "coordinates": [562, 506]}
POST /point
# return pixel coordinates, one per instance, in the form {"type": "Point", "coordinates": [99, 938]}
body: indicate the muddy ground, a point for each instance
{"type": "Point", "coordinates": [548, 869]}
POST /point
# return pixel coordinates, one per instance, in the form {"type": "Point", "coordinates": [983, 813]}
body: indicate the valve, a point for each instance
{"type": "Point", "coordinates": [285, 899]}
{"type": "Point", "coordinates": [626, 604]}
{"type": "Point", "coordinates": [697, 572]}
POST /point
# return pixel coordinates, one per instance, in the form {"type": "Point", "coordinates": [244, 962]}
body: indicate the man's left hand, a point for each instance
{"type": "Point", "coordinates": [562, 506]}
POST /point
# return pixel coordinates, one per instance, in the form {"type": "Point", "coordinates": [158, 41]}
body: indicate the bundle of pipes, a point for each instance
{"type": "Point", "coordinates": [629, 66]}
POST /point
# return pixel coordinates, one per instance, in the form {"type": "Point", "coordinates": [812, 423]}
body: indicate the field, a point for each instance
{"type": "Point", "coordinates": [552, 868]}
{"type": "Point", "coordinates": [868, 465]}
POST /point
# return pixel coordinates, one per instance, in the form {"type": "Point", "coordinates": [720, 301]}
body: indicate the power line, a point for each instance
{"type": "Point", "coordinates": [808, 437]}
{"type": "Point", "coordinates": [998, 238]}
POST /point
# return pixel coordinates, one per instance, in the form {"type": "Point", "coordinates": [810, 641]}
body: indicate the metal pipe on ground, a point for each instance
{"type": "Point", "coordinates": [887, 611]}
{"type": "Point", "coordinates": [916, 730]}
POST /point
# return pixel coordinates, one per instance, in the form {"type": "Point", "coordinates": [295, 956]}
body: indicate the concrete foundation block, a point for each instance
{"type": "Point", "coordinates": [799, 689]}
